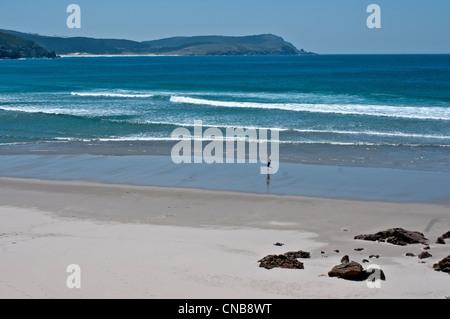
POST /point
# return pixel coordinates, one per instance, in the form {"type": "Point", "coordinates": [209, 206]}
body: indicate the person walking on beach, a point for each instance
{"type": "Point", "coordinates": [268, 168]}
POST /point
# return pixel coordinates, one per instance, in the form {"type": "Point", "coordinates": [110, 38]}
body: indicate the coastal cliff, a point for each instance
{"type": "Point", "coordinates": [265, 44]}
{"type": "Point", "coordinates": [13, 47]}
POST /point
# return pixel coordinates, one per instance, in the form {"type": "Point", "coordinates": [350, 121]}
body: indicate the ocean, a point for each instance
{"type": "Point", "coordinates": [366, 110]}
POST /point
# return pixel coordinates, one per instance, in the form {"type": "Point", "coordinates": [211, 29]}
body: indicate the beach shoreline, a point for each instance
{"type": "Point", "coordinates": [153, 242]}
{"type": "Point", "coordinates": [293, 178]}
{"type": "Point", "coordinates": [375, 156]}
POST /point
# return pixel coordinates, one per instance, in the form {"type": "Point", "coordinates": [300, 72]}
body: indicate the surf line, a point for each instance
{"type": "Point", "coordinates": [234, 142]}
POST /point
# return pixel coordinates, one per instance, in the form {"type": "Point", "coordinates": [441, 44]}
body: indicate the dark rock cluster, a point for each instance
{"type": "Point", "coordinates": [298, 254]}
{"type": "Point", "coordinates": [441, 239]}
{"type": "Point", "coordinates": [280, 261]}
{"type": "Point", "coordinates": [396, 236]}
{"type": "Point", "coordinates": [287, 260]}
{"type": "Point", "coordinates": [424, 255]}
{"type": "Point", "coordinates": [443, 265]}
{"type": "Point", "coordinates": [351, 270]}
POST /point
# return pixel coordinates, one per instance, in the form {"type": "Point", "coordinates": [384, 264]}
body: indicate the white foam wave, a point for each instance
{"type": "Point", "coordinates": [374, 133]}
{"type": "Point", "coordinates": [369, 133]}
{"type": "Point", "coordinates": [111, 94]}
{"type": "Point", "coordinates": [62, 111]}
{"type": "Point", "coordinates": [144, 138]}
{"type": "Point", "coordinates": [428, 113]}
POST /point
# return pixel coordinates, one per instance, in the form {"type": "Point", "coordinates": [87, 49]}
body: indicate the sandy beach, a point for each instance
{"type": "Point", "coordinates": [154, 242]}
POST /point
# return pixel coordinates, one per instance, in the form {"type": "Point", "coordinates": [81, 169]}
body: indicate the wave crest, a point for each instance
{"type": "Point", "coordinates": [423, 113]}
{"type": "Point", "coordinates": [111, 95]}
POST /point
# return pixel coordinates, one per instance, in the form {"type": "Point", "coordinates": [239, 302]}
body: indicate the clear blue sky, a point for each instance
{"type": "Point", "coordinates": [323, 26]}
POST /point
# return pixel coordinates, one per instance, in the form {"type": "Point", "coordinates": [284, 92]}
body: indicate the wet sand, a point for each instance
{"type": "Point", "coordinates": [327, 181]}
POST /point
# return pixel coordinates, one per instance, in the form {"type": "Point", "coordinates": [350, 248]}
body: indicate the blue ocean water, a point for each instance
{"type": "Point", "coordinates": [361, 100]}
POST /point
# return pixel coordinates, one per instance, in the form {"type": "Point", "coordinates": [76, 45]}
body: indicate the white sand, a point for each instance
{"type": "Point", "coordinates": [144, 242]}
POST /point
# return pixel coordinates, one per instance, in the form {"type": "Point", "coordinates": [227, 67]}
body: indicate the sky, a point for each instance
{"type": "Point", "coordinates": [321, 26]}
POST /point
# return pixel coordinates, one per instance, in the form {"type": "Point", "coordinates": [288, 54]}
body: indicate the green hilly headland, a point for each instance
{"type": "Point", "coordinates": [13, 47]}
{"type": "Point", "coordinates": [266, 44]}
